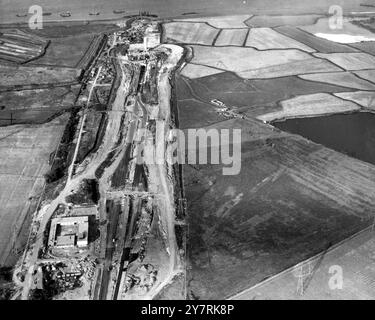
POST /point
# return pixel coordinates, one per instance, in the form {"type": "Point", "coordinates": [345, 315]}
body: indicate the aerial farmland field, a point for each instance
{"type": "Point", "coordinates": [350, 61]}
{"type": "Point", "coordinates": [366, 74]}
{"type": "Point", "coordinates": [344, 79]}
{"type": "Point", "coordinates": [65, 52]}
{"type": "Point", "coordinates": [232, 37]}
{"type": "Point", "coordinates": [244, 243]}
{"type": "Point", "coordinates": [277, 20]}
{"type": "Point", "coordinates": [319, 44]}
{"type": "Point", "coordinates": [251, 97]}
{"type": "Point", "coordinates": [23, 162]}
{"type": "Point", "coordinates": [251, 63]}
{"type": "Point", "coordinates": [189, 32]}
{"type": "Point", "coordinates": [29, 76]}
{"type": "Point", "coordinates": [222, 22]}
{"type": "Point", "coordinates": [310, 105]}
{"type": "Point", "coordinates": [363, 98]}
{"type": "Point", "coordinates": [267, 38]}
{"type": "Point", "coordinates": [197, 71]}
{"type": "Point", "coordinates": [244, 227]}
{"type": "Point", "coordinates": [35, 101]}
{"type": "Point", "coordinates": [36, 106]}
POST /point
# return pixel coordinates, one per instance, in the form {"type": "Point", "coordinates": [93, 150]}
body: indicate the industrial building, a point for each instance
{"type": "Point", "coordinates": [67, 232]}
{"type": "Point", "coordinates": [152, 40]}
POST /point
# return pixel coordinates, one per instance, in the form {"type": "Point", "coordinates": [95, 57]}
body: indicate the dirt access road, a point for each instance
{"type": "Point", "coordinates": [161, 180]}
{"type": "Point", "coordinates": [73, 183]}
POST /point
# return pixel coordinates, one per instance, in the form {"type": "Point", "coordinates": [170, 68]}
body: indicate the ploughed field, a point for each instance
{"type": "Point", "coordinates": [358, 274]}
{"type": "Point", "coordinates": [25, 155]}
{"type": "Point", "coordinates": [293, 197]}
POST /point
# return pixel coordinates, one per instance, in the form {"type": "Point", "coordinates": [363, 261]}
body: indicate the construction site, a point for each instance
{"type": "Point", "coordinates": [107, 230]}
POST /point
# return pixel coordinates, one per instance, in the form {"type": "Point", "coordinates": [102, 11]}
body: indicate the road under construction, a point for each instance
{"type": "Point", "coordinates": [136, 199]}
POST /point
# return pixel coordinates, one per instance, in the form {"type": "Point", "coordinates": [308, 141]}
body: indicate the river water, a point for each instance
{"type": "Point", "coordinates": [352, 134]}
{"type": "Point", "coordinates": [166, 8]}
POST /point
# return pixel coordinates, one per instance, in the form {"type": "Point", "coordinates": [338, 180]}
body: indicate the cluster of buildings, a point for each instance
{"type": "Point", "coordinates": [223, 110]}
{"type": "Point", "coordinates": [139, 38]}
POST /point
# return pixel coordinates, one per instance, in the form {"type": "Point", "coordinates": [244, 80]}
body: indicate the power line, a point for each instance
{"type": "Point", "coordinates": [7, 119]}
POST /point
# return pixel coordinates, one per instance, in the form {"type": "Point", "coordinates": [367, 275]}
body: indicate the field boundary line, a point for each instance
{"type": "Point", "coordinates": [314, 257]}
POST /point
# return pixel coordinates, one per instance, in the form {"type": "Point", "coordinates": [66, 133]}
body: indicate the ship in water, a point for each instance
{"type": "Point", "coordinates": [65, 14]}
{"type": "Point", "coordinates": [118, 11]}
{"type": "Point", "coordinates": [96, 13]}
{"type": "Point", "coordinates": [22, 15]}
